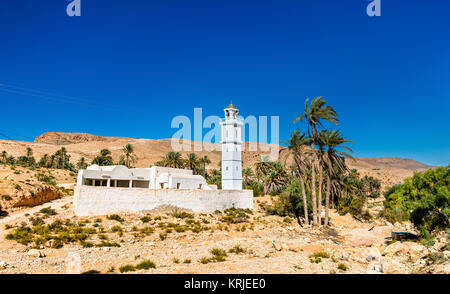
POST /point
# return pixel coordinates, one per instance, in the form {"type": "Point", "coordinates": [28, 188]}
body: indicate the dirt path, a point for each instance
{"type": "Point", "coordinates": [55, 204]}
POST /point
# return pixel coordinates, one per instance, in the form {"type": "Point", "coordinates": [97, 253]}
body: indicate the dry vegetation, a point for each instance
{"type": "Point", "coordinates": [170, 240]}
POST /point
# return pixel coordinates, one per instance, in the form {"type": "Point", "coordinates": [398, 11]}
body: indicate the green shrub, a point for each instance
{"type": "Point", "coordinates": [146, 264]}
{"type": "Point", "coordinates": [317, 257]}
{"type": "Point", "coordinates": [49, 179]}
{"type": "Point", "coordinates": [117, 229]}
{"type": "Point", "coordinates": [342, 267]}
{"type": "Point", "coordinates": [146, 219]}
{"type": "Point", "coordinates": [182, 214]}
{"type": "Point", "coordinates": [236, 215]}
{"type": "Point", "coordinates": [424, 199]}
{"type": "Point", "coordinates": [237, 250]}
{"type": "Point", "coordinates": [6, 197]}
{"type": "Point", "coordinates": [48, 211]}
{"type": "Point", "coordinates": [290, 202]}
{"type": "Point", "coordinates": [436, 258]}
{"type": "Point", "coordinates": [127, 268]}
{"type": "Point", "coordinates": [204, 260]}
{"type": "Point", "coordinates": [115, 217]}
{"type": "Point", "coordinates": [147, 230]}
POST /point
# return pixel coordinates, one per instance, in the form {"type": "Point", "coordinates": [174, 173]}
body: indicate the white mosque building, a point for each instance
{"type": "Point", "coordinates": [111, 189]}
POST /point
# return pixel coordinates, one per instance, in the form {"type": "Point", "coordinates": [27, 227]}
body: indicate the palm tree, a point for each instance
{"type": "Point", "coordinates": [29, 152]}
{"type": "Point", "coordinates": [173, 159]}
{"type": "Point", "coordinates": [334, 160]}
{"type": "Point", "coordinates": [313, 114]}
{"type": "Point", "coordinates": [193, 162]}
{"type": "Point", "coordinates": [205, 161]}
{"type": "Point", "coordinates": [4, 156]}
{"type": "Point", "coordinates": [104, 159]}
{"type": "Point", "coordinates": [129, 156]}
{"type": "Point", "coordinates": [272, 175]}
{"type": "Point", "coordinates": [247, 174]}
{"type": "Point", "coordinates": [296, 145]}
{"type": "Point", "coordinates": [82, 164]}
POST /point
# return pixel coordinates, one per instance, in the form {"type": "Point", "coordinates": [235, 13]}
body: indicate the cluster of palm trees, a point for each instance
{"type": "Point", "coordinates": [192, 161]}
{"type": "Point", "coordinates": [128, 158]}
{"type": "Point", "coordinates": [318, 158]}
{"type": "Point", "coordinates": [59, 160]}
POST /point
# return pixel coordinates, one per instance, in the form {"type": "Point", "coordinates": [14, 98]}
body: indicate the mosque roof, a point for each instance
{"type": "Point", "coordinates": [231, 106]}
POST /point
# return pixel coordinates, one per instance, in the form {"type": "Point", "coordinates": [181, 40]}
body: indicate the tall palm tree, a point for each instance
{"type": "Point", "coordinates": [314, 114]}
{"type": "Point", "coordinates": [334, 160]}
{"type": "Point", "coordinates": [205, 161]}
{"type": "Point", "coordinates": [128, 151]}
{"type": "Point", "coordinates": [296, 145]}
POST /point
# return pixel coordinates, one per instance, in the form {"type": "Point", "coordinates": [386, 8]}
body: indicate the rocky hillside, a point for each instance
{"type": "Point", "coordinates": [22, 187]}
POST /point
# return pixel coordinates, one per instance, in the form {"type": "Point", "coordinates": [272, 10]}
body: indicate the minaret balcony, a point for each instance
{"type": "Point", "coordinates": [238, 120]}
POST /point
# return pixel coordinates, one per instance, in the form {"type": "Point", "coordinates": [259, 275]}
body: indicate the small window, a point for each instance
{"type": "Point", "coordinates": [237, 168]}
{"type": "Point", "coordinates": [226, 168]}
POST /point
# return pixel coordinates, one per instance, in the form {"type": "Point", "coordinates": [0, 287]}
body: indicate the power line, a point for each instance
{"type": "Point", "coordinates": [59, 98]}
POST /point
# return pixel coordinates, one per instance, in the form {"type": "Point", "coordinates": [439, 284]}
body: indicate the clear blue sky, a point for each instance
{"type": "Point", "coordinates": [133, 65]}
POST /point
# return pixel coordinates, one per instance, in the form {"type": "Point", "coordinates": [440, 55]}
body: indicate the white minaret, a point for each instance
{"type": "Point", "coordinates": [231, 149]}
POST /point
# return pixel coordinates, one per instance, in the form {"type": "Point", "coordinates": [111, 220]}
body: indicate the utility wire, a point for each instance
{"type": "Point", "coordinates": [60, 98]}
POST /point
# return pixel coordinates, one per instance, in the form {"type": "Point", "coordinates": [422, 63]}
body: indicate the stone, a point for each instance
{"type": "Point", "coordinates": [411, 248]}
{"type": "Point", "coordinates": [35, 253]}
{"type": "Point", "coordinates": [50, 243]}
{"type": "Point", "coordinates": [391, 266]}
{"type": "Point", "coordinates": [276, 245]}
{"type": "Point", "coordinates": [363, 242]}
{"type": "Point", "coordinates": [375, 266]}
{"type": "Point", "coordinates": [3, 264]}
{"type": "Point", "coordinates": [345, 256]}
{"type": "Point", "coordinates": [373, 254]}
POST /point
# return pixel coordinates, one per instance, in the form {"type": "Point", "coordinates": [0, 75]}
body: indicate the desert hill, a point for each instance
{"type": "Point", "coordinates": [390, 170]}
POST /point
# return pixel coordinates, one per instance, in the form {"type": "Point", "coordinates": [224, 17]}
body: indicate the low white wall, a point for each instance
{"type": "Point", "coordinates": [90, 201]}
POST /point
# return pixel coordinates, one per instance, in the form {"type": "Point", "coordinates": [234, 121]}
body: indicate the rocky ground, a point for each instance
{"type": "Point", "coordinates": [177, 242]}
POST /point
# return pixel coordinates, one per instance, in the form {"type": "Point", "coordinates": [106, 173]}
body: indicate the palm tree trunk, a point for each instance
{"type": "Point", "coordinates": [305, 202]}
{"type": "Point", "coordinates": [332, 201]}
{"type": "Point", "coordinates": [313, 192]}
{"type": "Point", "coordinates": [327, 200]}
{"type": "Point", "coordinates": [319, 202]}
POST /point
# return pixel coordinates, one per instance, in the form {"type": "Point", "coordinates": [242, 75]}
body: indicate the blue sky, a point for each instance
{"type": "Point", "coordinates": [126, 68]}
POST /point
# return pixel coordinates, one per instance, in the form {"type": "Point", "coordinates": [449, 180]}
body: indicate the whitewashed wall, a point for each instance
{"type": "Point", "coordinates": [91, 201]}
